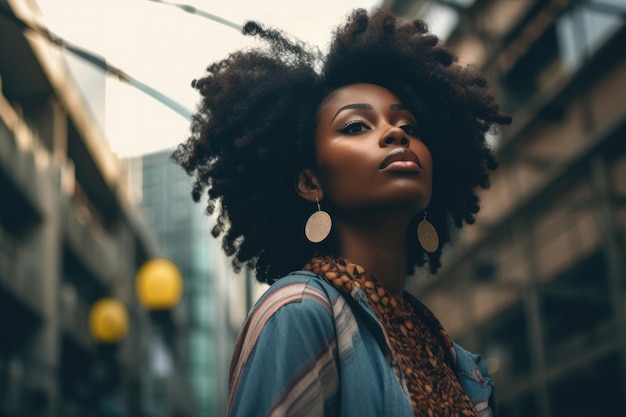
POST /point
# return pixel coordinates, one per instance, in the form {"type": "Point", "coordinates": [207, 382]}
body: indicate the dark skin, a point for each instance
{"type": "Point", "coordinates": [375, 175]}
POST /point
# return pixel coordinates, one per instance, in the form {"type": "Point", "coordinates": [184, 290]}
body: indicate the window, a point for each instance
{"type": "Point", "coordinates": [582, 30]}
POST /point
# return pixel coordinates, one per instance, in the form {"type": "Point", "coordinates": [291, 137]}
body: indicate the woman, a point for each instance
{"type": "Point", "coordinates": [378, 148]}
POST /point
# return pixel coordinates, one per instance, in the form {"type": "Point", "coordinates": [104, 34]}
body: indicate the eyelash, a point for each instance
{"type": "Point", "coordinates": [346, 127]}
{"type": "Point", "coordinates": [411, 126]}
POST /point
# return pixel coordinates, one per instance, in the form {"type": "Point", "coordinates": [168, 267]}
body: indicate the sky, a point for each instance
{"type": "Point", "coordinates": [166, 48]}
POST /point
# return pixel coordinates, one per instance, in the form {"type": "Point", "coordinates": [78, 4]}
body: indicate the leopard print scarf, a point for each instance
{"type": "Point", "coordinates": [418, 341]}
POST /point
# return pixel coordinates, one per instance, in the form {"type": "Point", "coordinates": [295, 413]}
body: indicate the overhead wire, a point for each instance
{"type": "Point", "coordinates": [195, 11]}
{"type": "Point", "coordinates": [111, 69]}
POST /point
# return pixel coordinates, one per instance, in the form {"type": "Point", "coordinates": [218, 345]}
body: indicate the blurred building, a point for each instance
{"type": "Point", "coordinates": [538, 284]}
{"type": "Point", "coordinates": [212, 291]}
{"type": "Point", "coordinates": [68, 238]}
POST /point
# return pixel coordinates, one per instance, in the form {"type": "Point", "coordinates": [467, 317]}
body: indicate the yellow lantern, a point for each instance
{"type": "Point", "coordinates": [108, 320]}
{"type": "Point", "coordinates": [159, 284]}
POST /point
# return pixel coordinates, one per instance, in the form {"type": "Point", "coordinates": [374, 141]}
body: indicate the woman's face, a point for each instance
{"type": "Point", "coordinates": [369, 157]}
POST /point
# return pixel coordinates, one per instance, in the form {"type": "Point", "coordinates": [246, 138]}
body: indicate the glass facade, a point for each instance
{"type": "Point", "coordinates": [184, 233]}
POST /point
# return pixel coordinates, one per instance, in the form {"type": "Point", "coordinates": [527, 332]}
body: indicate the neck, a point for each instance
{"type": "Point", "coordinates": [378, 245]}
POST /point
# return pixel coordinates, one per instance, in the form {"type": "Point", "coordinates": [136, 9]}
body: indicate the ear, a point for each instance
{"type": "Point", "coordinates": [308, 186]}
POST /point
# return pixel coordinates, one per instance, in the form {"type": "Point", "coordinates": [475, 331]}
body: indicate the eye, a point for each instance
{"type": "Point", "coordinates": [409, 129]}
{"type": "Point", "coordinates": [354, 128]}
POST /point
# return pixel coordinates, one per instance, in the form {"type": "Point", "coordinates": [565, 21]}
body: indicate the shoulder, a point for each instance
{"type": "Point", "coordinates": [297, 306]}
{"type": "Point", "coordinates": [299, 300]}
{"type": "Point", "coordinates": [296, 288]}
{"type": "Point", "coordinates": [286, 343]}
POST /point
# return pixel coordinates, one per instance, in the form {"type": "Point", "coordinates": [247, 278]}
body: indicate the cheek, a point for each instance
{"type": "Point", "coordinates": [326, 166]}
{"type": "Point", "coordinates": [343, 169]}
{"type": "Point", "coordinates": [335, 167]}
{"type": "Point", "coordinates": [426, 158]}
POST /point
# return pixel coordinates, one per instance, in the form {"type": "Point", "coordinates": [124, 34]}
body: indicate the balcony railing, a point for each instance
{"type": "Point", "coordinates": [18, 274]}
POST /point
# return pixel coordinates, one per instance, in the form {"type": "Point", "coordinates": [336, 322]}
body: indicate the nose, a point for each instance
{"type": "Point", "coordinates": [394, 136]}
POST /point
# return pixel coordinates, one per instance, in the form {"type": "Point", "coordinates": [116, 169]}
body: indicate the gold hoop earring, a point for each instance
{"type": "Point", "coordinates": [427, 235]}
{"type": "Point", "coordinates": [318, 225]}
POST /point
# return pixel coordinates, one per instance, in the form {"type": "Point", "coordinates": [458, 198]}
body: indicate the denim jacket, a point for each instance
{"type": "Point", "coordinates": [308, 349]}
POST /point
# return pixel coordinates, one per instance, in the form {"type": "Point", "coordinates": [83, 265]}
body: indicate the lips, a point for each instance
{"type": "Point", "coordinates": [400, 154]}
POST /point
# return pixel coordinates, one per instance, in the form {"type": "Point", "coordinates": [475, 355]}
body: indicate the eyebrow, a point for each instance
{"type": "Point", "coordinates": [356, 106]}
{"type": "Point", "coordinates": [363, 106]}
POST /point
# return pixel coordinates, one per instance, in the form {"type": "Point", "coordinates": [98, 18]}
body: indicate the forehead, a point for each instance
{"type": "Point", "coordinates": [346, 94]}
{"type": "Point", "coordinates": [357, 93]}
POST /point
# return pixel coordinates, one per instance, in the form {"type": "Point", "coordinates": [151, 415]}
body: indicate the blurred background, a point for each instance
{"type": "Point", "coordinates": [116, 301]}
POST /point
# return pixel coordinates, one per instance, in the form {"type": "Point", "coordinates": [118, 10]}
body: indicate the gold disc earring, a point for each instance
{"type": "Point", "coordinates": [427, 235]}
{"type": "Point", "coordinates": [318, 226]}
